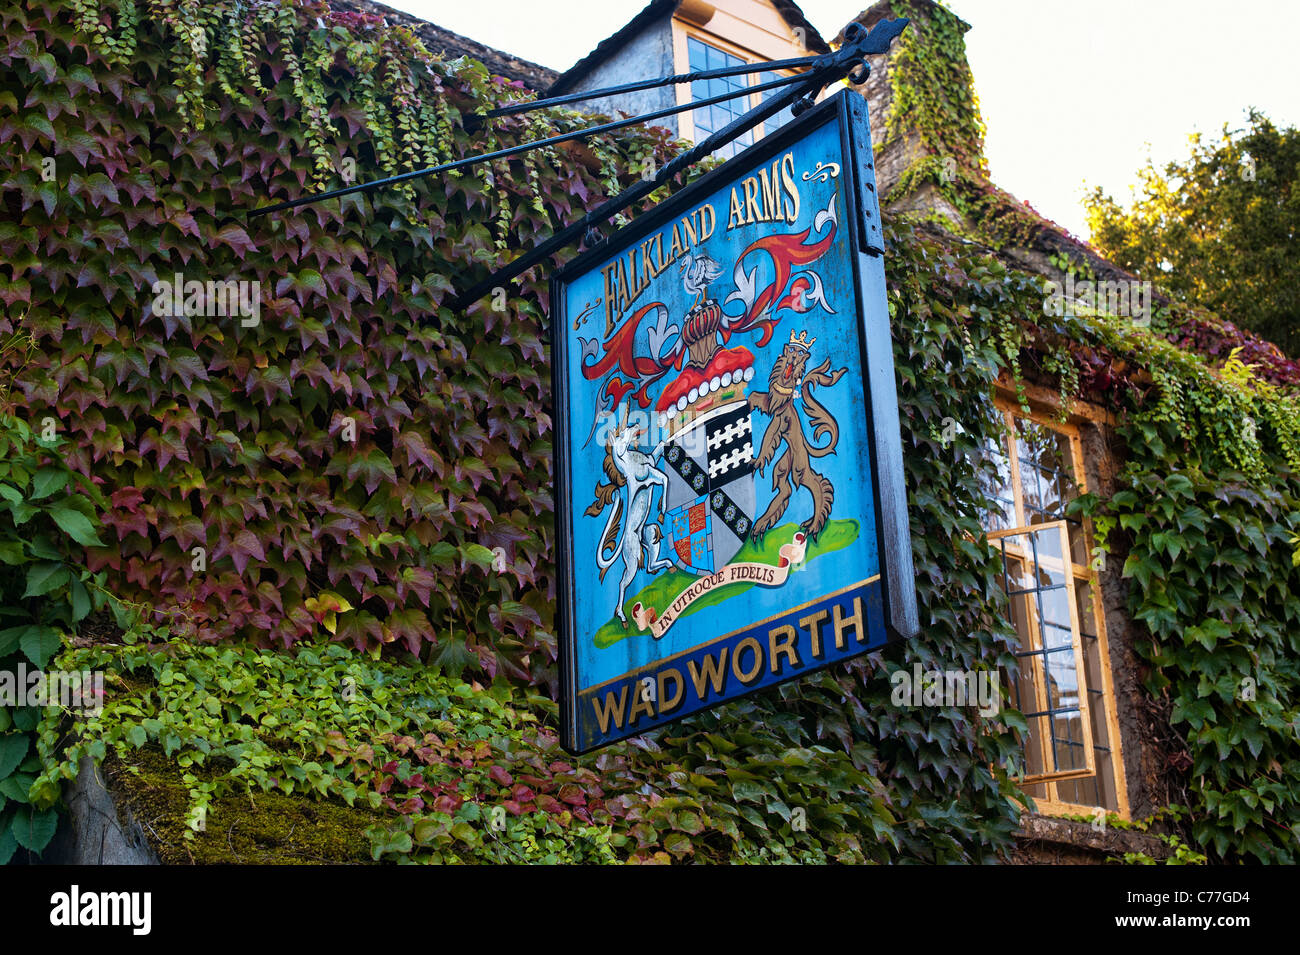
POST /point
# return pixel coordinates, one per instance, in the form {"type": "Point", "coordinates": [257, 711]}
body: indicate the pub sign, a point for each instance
{"type": "Point", "coordinates": [731, 511]}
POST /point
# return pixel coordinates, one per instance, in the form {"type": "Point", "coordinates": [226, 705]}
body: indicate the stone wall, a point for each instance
{"type": "Point", "coordinates": [1044, 841]}
{"type": "Point", "coordinates": [1150, 749]}
{"type": "Point", "coordinates": [892, 158]}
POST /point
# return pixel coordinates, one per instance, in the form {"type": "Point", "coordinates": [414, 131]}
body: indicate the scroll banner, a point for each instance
{"type": "Point", "coordinates": [764, 575]}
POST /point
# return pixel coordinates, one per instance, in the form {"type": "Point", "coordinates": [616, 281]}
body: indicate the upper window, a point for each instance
{"type": "Point", "coordinates": [774, 123]}
{"type": "Point", "coordinates": [1072, 761]}
{"type": "Point", "coordinates": [709, 119]}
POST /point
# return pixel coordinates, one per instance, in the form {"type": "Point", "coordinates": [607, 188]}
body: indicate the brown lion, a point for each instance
{"type": "Point", "coordinates": [794, 469]}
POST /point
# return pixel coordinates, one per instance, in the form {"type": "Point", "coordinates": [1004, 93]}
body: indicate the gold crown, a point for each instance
{"type": "Point", "coordinates": [803, 341]}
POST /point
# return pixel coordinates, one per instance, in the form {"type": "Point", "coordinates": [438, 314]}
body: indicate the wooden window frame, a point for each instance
{"type": "Point", "coordinates": [1037, 649]}
{"type": "Point", "coordinates": [1042, 413]}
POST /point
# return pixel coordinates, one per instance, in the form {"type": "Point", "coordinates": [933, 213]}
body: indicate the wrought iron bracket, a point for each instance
{"type": "Point", "coordinates": [847, 62]}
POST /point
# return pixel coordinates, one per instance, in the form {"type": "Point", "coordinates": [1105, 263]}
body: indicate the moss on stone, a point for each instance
{"type": "Point", "coordinates": [256, 828]}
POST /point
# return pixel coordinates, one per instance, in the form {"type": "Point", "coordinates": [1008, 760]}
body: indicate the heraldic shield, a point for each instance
{"type": "Point", "coordinates": [709, 454]}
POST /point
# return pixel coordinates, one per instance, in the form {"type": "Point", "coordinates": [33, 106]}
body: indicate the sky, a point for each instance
{"type": "Point", "coordinates": [1074, 94]}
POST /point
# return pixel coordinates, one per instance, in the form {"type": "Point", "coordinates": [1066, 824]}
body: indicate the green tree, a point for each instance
{"type": "Point", "coordinates": [1219, 229]}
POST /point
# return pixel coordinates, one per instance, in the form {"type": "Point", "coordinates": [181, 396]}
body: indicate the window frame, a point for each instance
{"type": "Point", "coordinates": [1037, 650]}
{"type": "Point", "coordinates": [683, 32]}
{"type": "Point", "coordinates": [1041, 413]}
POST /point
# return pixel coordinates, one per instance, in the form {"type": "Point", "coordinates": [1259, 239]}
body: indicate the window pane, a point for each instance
{"type": "Point", "coordinates": [1049, 689]}
{"type": "Point", "coordinates": [710, 119]}
{"type": "Point", "coordinates": [1046, 471]}
{"type": "Point", "coordinates": [1100, 790]}
{"type": "Point", "coordinates": [1047, 479]}
{"type": "Point", "coordinates": [1039, 460]}
{"type": "Point", "coordinates": [1057, 631]}
{"type": "Point", "coordinates": [772, 124]}
{"type": "Point", "coordinates": [996, 484]}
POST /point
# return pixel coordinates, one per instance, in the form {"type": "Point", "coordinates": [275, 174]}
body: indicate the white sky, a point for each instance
{"type": "Point", "coordinates": [1071, 92]}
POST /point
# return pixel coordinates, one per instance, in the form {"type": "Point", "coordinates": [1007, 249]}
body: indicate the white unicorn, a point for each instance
{"type": "Point", "coordinates": [637, 545]}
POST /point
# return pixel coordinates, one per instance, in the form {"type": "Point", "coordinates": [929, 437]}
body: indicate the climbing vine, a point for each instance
{"type": "Point", "coordinates": [932, 98]}
{"type": "Point", "coordinates": [932, 89]}
{"type": "Point", "coordinates": [374, 558]}
{"type": "Point", "coordinates": [202, 433]}
{"type": "Point", "coordinates": [1205, 517]}
{"type": "Point", "coordinates": [47, 518]}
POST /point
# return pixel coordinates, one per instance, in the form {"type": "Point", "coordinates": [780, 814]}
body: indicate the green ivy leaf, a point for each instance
{"type": "Point", "coordinates": [47, 481]}
{"type": "Point", "coordinates": [81, 603]}
{"type": "Point", "coordinates": [678, 843]}
{"type": "Point", "coordinates": [33, 829]}
{"type": "Point", "coordinates": [39, 643]}
{"type": "Point", "coordinates": [45, 577]}
{"type": "Point", "coordinates": [13, 749]}
{"type": "Point", "coordinates": [17, 786]}
{"type": "Point", "coordinates": [9, 639]}
{"type": "Point", "coordinates": [478, 555]}
{"type": "Point", "coordinates": [453, 656]}
{"type": "Point", "coordinates": [76, 525]}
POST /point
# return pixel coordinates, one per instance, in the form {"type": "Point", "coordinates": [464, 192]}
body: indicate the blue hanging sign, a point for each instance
{"type": "Point", "coordinates": [731, 511]}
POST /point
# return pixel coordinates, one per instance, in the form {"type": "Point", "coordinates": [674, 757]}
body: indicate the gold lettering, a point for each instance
{"type": "Point", "coordinates": [770, 188]}
{"type": "Point", "coordinates": [842, 623]}
{"type": "Point", "coordinates": [708, 222]}
{"type": "Point", "coordinates": [666, 704]}
{"type": "Point", "coordinates": [785, 647]}
{"type": "Point", "coordinates": [787, 179]}
{"type": "Point", "coordinates": [736, 217]}
{"type": "Point", "coordinates": [659, 253]}
{"type": "Point", "coordinates": [610, 295]}
{"type": "Point", "coordinates": [813, 624]}
{"type": "Point", "coordinates": [692, 234]}
{"type": "Point", "coordinates": [603, 714]}
{"type": "Point", "coordinates": [624, 299]}
{"type": "Point", "coordinates": [640, 705]}
{"type": "Point", "coordinates": [747, 676]}
{"type": "Point", "coordinates": [752, 212]}
{"type": "Point", "coordinates": [712, 670]}
{"type": "Point", "coordinates": [647, 263]}
{"type": "Point", "coordinates": [638, 285]}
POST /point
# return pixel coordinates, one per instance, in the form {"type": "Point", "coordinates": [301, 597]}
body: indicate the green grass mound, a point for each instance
{"type": "Point", "coordinates": [665, 587]}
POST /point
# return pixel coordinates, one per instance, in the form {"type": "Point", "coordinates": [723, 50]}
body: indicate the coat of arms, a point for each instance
{"type": "Point", "coordinates": [683, 441]}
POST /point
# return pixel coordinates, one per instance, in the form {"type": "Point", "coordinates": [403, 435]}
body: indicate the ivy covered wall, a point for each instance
{"type": "Point", "coordinates": [165, 123]}
{"type": "Point", "coordinates": [353, 457]}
